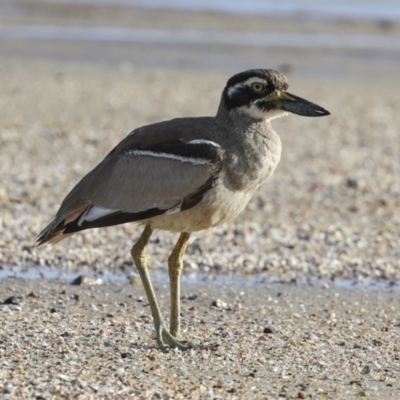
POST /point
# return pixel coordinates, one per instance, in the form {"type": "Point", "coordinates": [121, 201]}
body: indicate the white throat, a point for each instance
{"type": "Point", "coordinates": [255, 113]}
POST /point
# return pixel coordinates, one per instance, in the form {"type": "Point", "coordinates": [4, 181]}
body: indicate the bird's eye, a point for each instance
{"type": "Point", "coordinates": [258, 87]}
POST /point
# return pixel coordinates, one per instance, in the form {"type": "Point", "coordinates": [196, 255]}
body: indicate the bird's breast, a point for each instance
{"type": "Point", "coordinates": [249, 165]}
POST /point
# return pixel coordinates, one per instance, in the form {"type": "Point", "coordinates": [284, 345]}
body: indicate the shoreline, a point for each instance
{"type": "Point", "coordinates": [215, 278]}
{"type": "Point", "coordinates": [148, 38]}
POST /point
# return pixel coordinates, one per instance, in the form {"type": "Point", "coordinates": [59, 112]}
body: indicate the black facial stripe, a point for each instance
{"type": "Point", "coordinates": [264, 105]}
{"type": "Point", "coordinates": [275, 78]}
{"type": "Point", "coordinates": [244, 96]}
{"type": "Point", "coordinates": [241, 96]}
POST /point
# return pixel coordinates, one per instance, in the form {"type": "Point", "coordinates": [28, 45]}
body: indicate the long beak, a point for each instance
{"type": "Point", "coordinates": [296, 105]}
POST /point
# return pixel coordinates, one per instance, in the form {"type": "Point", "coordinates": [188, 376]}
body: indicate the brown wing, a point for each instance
{"type": "Point", "coordinates": [138, 181]}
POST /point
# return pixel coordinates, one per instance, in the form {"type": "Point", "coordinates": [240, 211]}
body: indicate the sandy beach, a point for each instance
{"type": "Point", "coordinates": [278, 341]}
{"type": "Point", "coordinates": [305, 283]}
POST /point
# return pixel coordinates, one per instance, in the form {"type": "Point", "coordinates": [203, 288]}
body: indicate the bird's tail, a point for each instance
{"type": "Point", "coordinates": [54, 232]}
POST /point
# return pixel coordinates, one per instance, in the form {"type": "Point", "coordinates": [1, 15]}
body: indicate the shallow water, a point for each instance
{"type": "Point", "coordinates": [193, 37]}
{"type": "Point", "coordinates": [235, 280]}
{"type": "Point", "coordinates": [348, 9]}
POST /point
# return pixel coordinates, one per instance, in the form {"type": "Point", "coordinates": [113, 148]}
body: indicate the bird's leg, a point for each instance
{"type": "Point", "coordinates": [175, 265]}
{"type": "Point", "coordinates": [138, 253]}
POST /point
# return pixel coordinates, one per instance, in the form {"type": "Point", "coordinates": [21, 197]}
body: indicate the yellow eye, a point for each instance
{"type": "Point", "coordinates": [258, 87]}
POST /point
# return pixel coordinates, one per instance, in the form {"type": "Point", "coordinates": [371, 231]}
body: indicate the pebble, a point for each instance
{"type": "Point", "coordinates": [86, 281]}
{"type": "Point", "coordinates": [219, 304]}
{"type": "Point", "coordinates": [268, 330]}
{"type": "Point", "coordinates": [14, 300]}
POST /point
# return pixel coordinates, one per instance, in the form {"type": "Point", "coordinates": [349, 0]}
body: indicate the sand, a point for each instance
{"type": "Point", "coordinates": [307, 276]}
{"type": "Point", "coordinates": [278, 341]}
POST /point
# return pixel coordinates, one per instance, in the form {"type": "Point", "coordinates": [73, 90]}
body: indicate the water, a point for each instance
{"type": "Point", "coordinates": [235, 280]}
{"type": "Point", "coordinates": [347, 9]}
{"type": "Point", "coordinates": [286, 39]}
{"type": "Point", "coordinates": [353, 54]}
{"type": "Point", "coordinates": [194, 37]}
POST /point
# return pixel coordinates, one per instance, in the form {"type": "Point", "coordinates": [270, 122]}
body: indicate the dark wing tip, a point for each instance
{"type": "Point", "coordinates": [321, 112]}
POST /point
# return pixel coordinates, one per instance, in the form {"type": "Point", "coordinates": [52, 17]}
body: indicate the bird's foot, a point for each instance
{"type": "Point", "coordinates": [164, 338]}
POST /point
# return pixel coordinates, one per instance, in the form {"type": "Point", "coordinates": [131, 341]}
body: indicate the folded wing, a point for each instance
{"type": "Point", "coordinates": [136, 183]}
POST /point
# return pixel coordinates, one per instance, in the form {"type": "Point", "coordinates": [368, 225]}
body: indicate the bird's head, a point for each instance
{"type": "Point", "coordinates": [261, 94]}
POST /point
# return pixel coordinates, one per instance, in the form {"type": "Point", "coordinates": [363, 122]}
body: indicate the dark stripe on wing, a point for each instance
{"type": "Point", "coordinates": [121, 217]}
{"type": "Point", "coordinates": [195, 198]}
{"type": "Point", "coordinates": [204, 151]}
{"type": "Point", "coordinates": [117, 218]}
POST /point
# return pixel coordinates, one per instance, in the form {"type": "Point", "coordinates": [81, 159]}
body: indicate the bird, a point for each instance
{"type": "Point", "coordinates": [185, 175]}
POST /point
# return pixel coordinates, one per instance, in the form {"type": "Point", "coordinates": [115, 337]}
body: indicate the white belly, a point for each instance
{"type": "Point", "coordinates": [219, 205]}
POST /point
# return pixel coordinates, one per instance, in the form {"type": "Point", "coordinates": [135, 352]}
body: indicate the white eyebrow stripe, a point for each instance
{"type": "Point", "coordinates": [202, 141]}
{"type": "Point", "coordinates": [233, 89]}
{"type": "Point", "coordinates": [247, 82]}
{"type": "Point", "coordinates": [194, 161]}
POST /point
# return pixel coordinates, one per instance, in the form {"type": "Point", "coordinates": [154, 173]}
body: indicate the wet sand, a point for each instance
{"type": "Point", "coordinates": [270, 342]}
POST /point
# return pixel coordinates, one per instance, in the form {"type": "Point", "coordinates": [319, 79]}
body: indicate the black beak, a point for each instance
{"type": "Point", "coordinates": [296, 105]}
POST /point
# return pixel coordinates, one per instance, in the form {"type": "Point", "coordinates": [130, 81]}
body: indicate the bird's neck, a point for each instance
{"type": "Point", "coordinates": [239, 120]}
{"type": "Point", "coordinates": [253, 149]}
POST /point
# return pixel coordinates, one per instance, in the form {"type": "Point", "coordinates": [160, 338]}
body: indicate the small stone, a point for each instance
{"type": "Point", "coordinates": [268, 330]}
{"type": "Point", "coordinates": [366, 370]}
{"type": "Point", "coordinates": [82, 280]}
{"type": "Point", "coordinates": [219, 304]}
{"type": "Point", "coordinates": [126, 355]}
{"type": "Point", "coordinates": [7, 390]}
{"type": "Point", "coordinates": [13, 300]}
{"type": "Point", "coordinates": [33, 295]}
{"type": "Point", "coordinates": [352, 183]}
{"type": "Point", "coordinates": [134, 280]}
{"type": "Point", "coordinates": [301, 395]}
{"type": "Point", "coordinates": [64, 377]}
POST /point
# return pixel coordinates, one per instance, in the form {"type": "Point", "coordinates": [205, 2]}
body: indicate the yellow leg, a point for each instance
{"type": "Point", "coordinates": [175, 265]}
{"type": "Point", "coordinates": [138, 253]}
